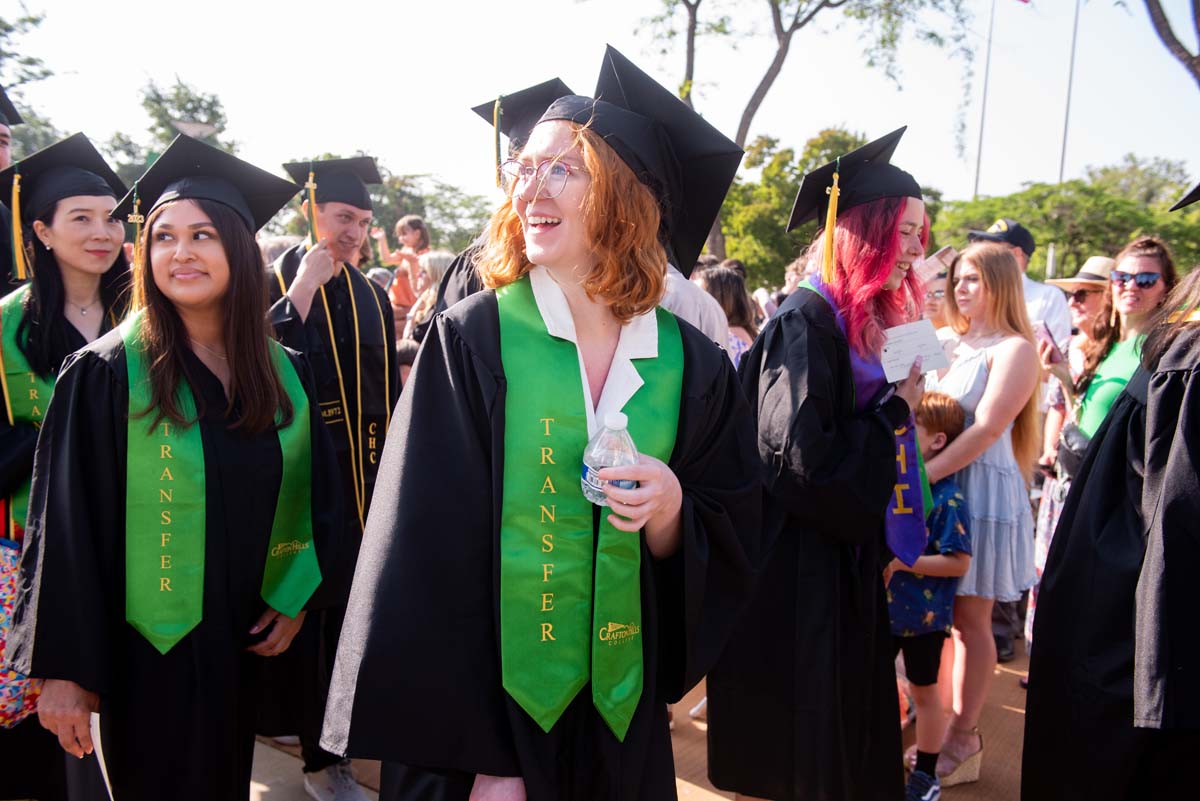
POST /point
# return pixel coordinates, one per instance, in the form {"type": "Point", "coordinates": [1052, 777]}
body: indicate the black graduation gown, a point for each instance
{"type": "Point", "coordinates": [802, 705]}
{"type": "Point", "coordinates": [8, 280]}
{"type": "Point", "coordinates": [418, 677]}
{"type": "Point", "coordinates": [293, 698]}
{"type": "Point", "coordinates": [178, 725]}
{"type": "Point", "coordinates": [1084, 706]}
{"type": "Point", "coordinates": [31, 761]}
{"type": "Point", "coordinates": [461, 279]}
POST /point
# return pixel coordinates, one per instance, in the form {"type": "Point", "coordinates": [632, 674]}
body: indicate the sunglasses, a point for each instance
{"type": "Point", "coordinates": [1142, 280]}
{"type": "Point", "coordinates": [1080, 295]}
{"type": "Point", "coordinates": [935, 294]}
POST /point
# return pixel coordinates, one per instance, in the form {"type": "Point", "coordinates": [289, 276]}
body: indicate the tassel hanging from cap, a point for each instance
{"type": "Point", "coordinates": [136, 218]}
{"type": "Point", "coordinates": [20, 265]}
{"type": "Point", "coordinates": [496, 112]}
{"type": "Point", "coordinates": [311, 185]}
{"type": "Point", "coordinates": [827, 266]}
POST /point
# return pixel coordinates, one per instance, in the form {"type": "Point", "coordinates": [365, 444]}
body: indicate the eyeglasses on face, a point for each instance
{"type": "Point", "coordinates": [549, 177]}
{"type": "Point", "coordinates": [1080, 295]}
{"type": "Point", "coordinates": [1142, 280]}
{"type": "Point", "coordinates": [935, 294]}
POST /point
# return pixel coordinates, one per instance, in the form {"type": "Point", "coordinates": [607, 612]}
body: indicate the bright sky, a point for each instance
{"type": "Point", "coordinates": [397, 79]}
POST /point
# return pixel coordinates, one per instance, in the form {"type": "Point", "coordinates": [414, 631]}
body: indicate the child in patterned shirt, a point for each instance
{"type": "Point", "coordinates": [921, 597]}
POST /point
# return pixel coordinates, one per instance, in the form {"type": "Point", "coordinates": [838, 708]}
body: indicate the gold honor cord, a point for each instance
{"type": "Point", "coordinates": [4, 388]}
{"type": "Point", "coordinates": [362, 473]}
{"type": "Point", "coordinates": [337, 364]}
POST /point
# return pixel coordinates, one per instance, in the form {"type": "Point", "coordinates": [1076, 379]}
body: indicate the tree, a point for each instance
{"type": "Point", "coordinates": [177, 109]}
{"type": "Point", "coordinates": [17, 70]}
{"type": "Point", "coordinates": [884, 22]}
{"type": "Point", "coordinates": [756, 212]}
{"type": "Point", "coordinates": [1162, 26]}
{"type": "Point", "coordinates": [1150, 181]}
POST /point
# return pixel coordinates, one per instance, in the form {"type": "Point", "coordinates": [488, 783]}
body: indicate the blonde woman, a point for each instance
{"type": "Point", "coordinates": [993, 374]}
{"type": "Point", "coordinates": [433, 266]}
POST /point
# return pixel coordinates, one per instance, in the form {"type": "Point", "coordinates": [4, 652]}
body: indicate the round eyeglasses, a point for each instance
{"type": "Point", "coordinates": [549, 177]}
{"type": "Point", "coordinates": [1142, 280]}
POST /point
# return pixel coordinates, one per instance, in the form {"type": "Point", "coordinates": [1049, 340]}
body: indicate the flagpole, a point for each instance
{"type": "Point", "coordinates": [1062, 160]}
{"type": "Point", "coordinates": [987, 66]}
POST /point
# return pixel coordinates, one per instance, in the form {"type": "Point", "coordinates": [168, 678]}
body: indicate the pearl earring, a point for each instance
{"type": "Point", "coordinates": [47, 244]}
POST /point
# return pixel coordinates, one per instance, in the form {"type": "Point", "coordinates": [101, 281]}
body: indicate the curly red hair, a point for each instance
{"type": "Point", "coordinates": [623, 219]}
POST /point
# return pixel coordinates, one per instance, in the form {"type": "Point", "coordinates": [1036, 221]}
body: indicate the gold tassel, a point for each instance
{"type": "Point", "coordinates": [137, 219]}
{"type": "Point", "coordinates": [311, 185]}
{"type": "Point", "coordinates": [18, 239]}
{"type": "Point", "coordinates": [827, 268]}
{"type": "Point", "coordinates": [496, 131]}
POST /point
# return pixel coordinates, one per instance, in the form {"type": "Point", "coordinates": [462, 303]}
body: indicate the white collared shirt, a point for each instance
{"type": "Point", "coordinates": [639, 340]}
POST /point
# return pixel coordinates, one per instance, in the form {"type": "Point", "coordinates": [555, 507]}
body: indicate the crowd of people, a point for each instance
{"type": "Point", "coordinates": [252, 488]}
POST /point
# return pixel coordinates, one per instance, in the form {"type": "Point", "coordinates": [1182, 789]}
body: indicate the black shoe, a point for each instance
{"type": "Point", "coordinates": [1005, 652]}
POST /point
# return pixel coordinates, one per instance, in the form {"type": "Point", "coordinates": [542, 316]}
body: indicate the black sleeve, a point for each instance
{"type": "Point", "coordinates": [71, 568]}
{"type": "Point", "coordinates": [419, 640]}
{"type": "Point", "coordinates": [286, 322]}
{"type": "Point", "coordinates": [820, 460]}
{"type": "Point", "coordinates": [389, 345]}
{"type": "Point", "coordinates": [334, 554]}
{"type": "Point", "coordinates": [16, 454]}
{"type": "Point", "coordinates": [701, 588]}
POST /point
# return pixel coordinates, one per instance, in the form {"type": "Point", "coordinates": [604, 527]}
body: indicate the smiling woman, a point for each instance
{"type": "Point", "coordinates": [191, 442]}
{"type": "Point", "coordinates": [535, 696]}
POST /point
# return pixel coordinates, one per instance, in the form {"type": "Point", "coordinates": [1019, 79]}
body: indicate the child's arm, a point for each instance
{"type": "Point", "coordinates": [951, 565]}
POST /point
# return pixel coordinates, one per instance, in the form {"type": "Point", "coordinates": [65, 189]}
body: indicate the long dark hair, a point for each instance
{"type": "Point", "coordinates": [1170, 322]}
{"type": "Point", "coordinates": [726, 285]}
{"type": "Point", "coordinates": [255, 391]}
{"type": "Point", "coordinates": [42, 333]}
{"type": "Point", "coordinates": [1107, 328]}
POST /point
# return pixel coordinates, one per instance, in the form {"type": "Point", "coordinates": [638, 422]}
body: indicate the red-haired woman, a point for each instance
{"type": "Point", "coordinates": [542, 635]}
{"type": "Point", "coordinates": [802, 704]}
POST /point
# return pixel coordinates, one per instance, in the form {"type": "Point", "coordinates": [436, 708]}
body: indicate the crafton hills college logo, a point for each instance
{"type": "Point", "coordinates": [289, 548]}
{"type": "Point", "coordinates": [618, 633]}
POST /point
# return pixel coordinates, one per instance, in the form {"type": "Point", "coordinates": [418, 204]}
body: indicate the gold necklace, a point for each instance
{"type": "Point", "coordinates": [207, 348]}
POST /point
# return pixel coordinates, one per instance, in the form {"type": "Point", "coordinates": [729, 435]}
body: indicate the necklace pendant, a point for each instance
{"type": "Point", "coordinates": [83, 310]}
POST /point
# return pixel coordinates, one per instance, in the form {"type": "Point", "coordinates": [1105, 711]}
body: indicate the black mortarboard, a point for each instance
{"type": "Point", "coordinates": [8, 112]}
{"type": "Point", "coordinates": [339, 180]}
{"type": "Point", "coordinates": [1191, 197]}
{"type": "Point", "coordinates": [66, 168]}
{"type": "Point", "coordinates": [686, 162]}
{"type": "Point", "coordinates": [519, 112]}
{"type": "Point", "coordinates": [191, 170]}
{"type": "Point", "coordinates": [864, 175]}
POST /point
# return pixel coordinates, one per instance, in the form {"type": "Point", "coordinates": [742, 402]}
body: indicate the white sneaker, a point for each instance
{"type": "Point", "coordinates": [334, 783]}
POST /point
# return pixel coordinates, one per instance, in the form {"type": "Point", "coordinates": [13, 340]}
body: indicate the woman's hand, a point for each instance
{"type": "Point", "coordinates": [912, 388]}
{"type": "Point", "coordinates": [1057, 369]}
{"type": "Point", "coordinates": [65, 709]}
{"type": "Point", "coordinates": [497, 788]}
{"type": "Point", "coordinates": [378, 235]}
{"type": "Point", "coordinates": [281, 636]}
{"type": "Point", "coordinates": [654, 505]}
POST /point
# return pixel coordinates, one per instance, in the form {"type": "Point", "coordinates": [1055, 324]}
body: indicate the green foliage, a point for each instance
{"type": "Point", "coordinates": [1150, 181]}
{"type": "Point", "coordinates": [756, 212]}
{"type": "Point", "coordinates": [1081, 218]}
{"type": "Point", "coordinates": [18, 69]}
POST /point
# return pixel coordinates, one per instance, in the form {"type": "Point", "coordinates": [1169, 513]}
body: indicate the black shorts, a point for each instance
{"type": "Point", "coordinates": [922, 656]}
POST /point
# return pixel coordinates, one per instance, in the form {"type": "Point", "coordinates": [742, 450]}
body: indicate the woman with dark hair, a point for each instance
{"type": "Point", "coordinates": [802, 704]}
{"type": "Point", "coordinates": [182, 495]}
{"type": "Point", "coordinates": [729, 288]}
{"type": "Point", "coordinates": [77, 290]}
{"type": "Point", "coordinates": [1113, 712]}
{"type": "Point", "coordinates": [560, 630]}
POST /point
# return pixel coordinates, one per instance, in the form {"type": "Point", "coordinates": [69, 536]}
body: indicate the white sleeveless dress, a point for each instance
{"type": "Point", "coordinates": [997, 498]}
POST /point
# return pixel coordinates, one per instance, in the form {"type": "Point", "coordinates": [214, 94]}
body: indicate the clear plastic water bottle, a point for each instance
{"type": "Point", "coordinates": [611, 447]}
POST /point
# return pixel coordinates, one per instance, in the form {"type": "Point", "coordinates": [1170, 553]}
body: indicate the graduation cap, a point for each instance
{"type": "Point", "coordinates": [34, 184]}
{"type": "Point", "coordinates": [337, 180]}
{"type": "Point", "coordinates": [8, 112]}
{"type": "Point", "coordinates": [684, 160]}
{"type": "Point", "coordinates": [515, 115]}
{"type": "Point", "coordinates": [1191, 197]}
{"type": "Point", "coordinates": [861, 176]}
{"type": "Point", "coordinates": [192, 170]}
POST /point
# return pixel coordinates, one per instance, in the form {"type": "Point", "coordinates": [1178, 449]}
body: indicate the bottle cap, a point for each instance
{"type": "Point", "coordinates": [617, 421]}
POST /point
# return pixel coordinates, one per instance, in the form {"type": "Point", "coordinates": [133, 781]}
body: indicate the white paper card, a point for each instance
{"type": "Point", "coordinates": [905, 343]}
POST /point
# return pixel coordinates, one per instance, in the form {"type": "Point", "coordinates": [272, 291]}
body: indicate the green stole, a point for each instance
{"type": "Point", "coordinates": [564, 619]}
{"type": "Point", "coordinates": [165, 520]}
{"type": "Point", "coordinates": [26, 394]}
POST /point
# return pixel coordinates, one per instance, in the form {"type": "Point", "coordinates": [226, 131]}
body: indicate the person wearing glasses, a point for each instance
{"type": "Point", "coordinates": [1089, 298]}
{"type": "Point", "coordinates": [524, 643]}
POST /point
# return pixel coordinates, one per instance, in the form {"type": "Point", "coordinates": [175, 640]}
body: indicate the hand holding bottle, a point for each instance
{"type": "Point", "coordinates": [654, 504]}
